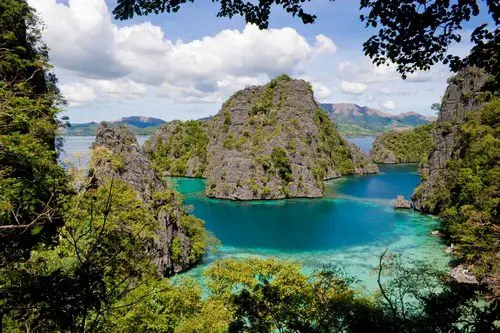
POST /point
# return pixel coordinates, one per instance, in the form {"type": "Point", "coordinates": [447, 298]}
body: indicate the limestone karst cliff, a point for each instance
{"type": "Point", "coordinates": [272, 142]}
{"type": "Point", "coordinates": [180, 238]}
{"type": "Point", "coordinates": [460, 99]}
{"type": "Point", "coordinates": [461, 179]}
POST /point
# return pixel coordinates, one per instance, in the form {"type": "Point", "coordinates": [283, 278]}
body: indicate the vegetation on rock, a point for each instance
{"type": "Point", "coordinates": [411, 146]}
{"type": "Point", "coordinates": [179, 148]}
{"type": "Point", "coordinates": [467, 199]}
{"type": "Point", "coordinates": [117, 155]}
{"type": "Point", "coordinates": [273, 141]}
{"type": "Point", "coordinates": [461, 177]}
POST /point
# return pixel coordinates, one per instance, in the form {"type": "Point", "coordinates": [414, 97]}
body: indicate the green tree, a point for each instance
{"type": "Point", "coordinates": [31, 181]}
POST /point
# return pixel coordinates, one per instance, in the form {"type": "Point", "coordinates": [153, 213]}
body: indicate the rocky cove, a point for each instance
{"type": "Point", "coordinates": [252, 150]}
{"type": "Point", "coordinates": [348, 227]}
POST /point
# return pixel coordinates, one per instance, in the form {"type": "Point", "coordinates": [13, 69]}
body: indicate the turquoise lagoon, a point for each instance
{"type": "Point", "coordinates": [349, 227]}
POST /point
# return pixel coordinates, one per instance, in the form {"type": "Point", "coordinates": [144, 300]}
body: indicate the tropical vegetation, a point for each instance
{"type": "Point", "coordinates": [468, 199]}
{"type": "Point", "coordinates": [409, 146]}
{"type": "Point", "coordinates": [74, 256]}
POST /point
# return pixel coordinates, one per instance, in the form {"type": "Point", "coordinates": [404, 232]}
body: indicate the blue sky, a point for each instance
{"type": "Point", "coordinates": [184, 65]}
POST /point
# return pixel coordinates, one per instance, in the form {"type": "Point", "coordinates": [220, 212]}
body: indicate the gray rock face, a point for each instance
{"type": "Point", "coordinates": [462, 275]}
{"type": "Point", "coordinates": [362, 161]}
{"type": "Point", "coordinates": [273, 142]}
{"type": "Point", "coordinates": [401, 203]}
{"type": "Point", "coordinates": [380, 154]}
{"type": "Point", "coordinates": [136, 170]}
{"type": "Point", "coordinates": [457, 102]}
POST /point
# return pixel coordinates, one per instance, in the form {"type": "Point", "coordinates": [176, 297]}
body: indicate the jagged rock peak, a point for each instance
{"type": "Point", "coordinates": [460, 98]}
{"type": "Point", "coordinates": [135, 169]}
{"type": "Point", "coordinates": [272, 142]}
{"type": "Point", "coordinates": [116, 154]}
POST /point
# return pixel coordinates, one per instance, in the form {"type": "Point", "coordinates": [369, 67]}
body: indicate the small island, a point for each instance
{"type": "Point", "coordinates": [266, 142]}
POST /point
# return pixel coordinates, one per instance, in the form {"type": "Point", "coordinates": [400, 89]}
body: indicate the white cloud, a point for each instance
{"type": "Point", "coordinates": [367, 72]}
{"type": "Point", "coordinates": [321, 92]}
{"type": "Point", "coordinates": [324, 45]}
{"type": "Point", "coordinates": [389, 105]}
{"type": "Point", "coordinates": [95, 90]}
{"type": "Point", "coordinates": [353, 88]}
{"type": "Point", "coordinates": [112, 62]}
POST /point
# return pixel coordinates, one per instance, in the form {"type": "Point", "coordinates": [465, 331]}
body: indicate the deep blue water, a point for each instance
{"type": "Point", "coordinates": [350, 226]}
{"type": "Point", "coordinates": [387, 184]}
{"type": "Point", "coordinates": [356, 210]}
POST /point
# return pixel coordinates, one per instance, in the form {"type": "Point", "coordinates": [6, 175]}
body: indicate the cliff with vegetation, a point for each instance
{"type": "Point", "coordinates": [180, 239]}
{"type": "Point", "coordinates": [461, 178]}
{"type": "Point", "coordinates": [179, 148]}
{"type": "Point", "coordinates": [272, 142]}
{"type": "Point", "coordinates": [408, 146]}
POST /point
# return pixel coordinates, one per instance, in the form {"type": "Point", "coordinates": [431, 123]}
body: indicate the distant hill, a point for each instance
{"type": "Point", "coordinates": [139, 125]}
{"type": "Point", "coordinates": [351, 120]}
{"type": "Point", "coordinates": [355, 120]}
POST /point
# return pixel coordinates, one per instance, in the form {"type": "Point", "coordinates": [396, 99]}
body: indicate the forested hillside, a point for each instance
{"type": "Point", "coordinates": [409, 146]}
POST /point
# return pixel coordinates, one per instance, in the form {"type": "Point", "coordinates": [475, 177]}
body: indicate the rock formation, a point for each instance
{"type": "Point", "coordinates": [179, 148]}
{"type": "Point", "coordinates": [181, 239]}
{"type": "Point", "coordinates": [457, 102]}
{"type": "Point", "coordinates": [272, 142]}
{"type": "Point", "coordinates": [401, 203]}
{"type": "Point", "coordinates": [363, 164]}
{"type": "Point", "coordinates": [408, 146]}
{"type": "Point", "coordinates": [462, 275]}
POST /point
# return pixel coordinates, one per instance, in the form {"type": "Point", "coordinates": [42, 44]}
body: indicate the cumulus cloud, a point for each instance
{"type": "Point", "coordinates": [353, 88]}
{"type": "Point", "coordinates": [367, 72]}
{"type": "Point", "coordinates": [95, 90]}
{"type": "Point", "coordinates": [389, 105]}
{"type": "Point", "coordinates": [116, 62]}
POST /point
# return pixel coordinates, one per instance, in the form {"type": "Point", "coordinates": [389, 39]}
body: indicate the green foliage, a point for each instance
{"type": "Point", "coordinates": [410, 146]}
{"type": "Point", "coordinates": [198, 236]}
{"type": "Point", "coordinates": [282, 164]}
{"type": "Point", "coordinates": [333, 150]}
{"type": "Point", "coordinates": [31, 183]}
{"type": "Point", "coordinates": [468, 201]}
{"type": "Point", "coordinates": [264, 104]}
{"type": "Point", "coordinates": [227, 120]}
{"type": "Point", "coordinates": [99, 257]}
{"type": "Point", "coordinates": [228, 142]}
{"type": "Point", "coordinates": [184, 141]}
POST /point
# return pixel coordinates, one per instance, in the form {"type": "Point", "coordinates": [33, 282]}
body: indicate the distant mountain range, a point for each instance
{"type": "Point", "coordinates": [355, 120]}
{"type": "Point", "coordinates": [351, 120]}
{"type": "Point", "coordinates": [139, 125]}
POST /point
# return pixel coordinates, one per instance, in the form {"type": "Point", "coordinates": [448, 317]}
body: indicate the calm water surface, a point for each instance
{"type": "Point", "coordinates": [350, 226]}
